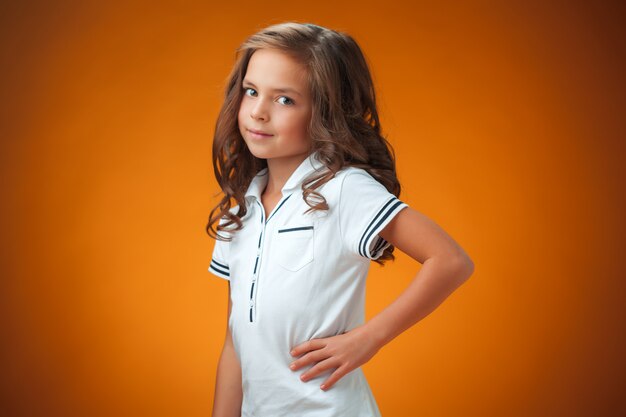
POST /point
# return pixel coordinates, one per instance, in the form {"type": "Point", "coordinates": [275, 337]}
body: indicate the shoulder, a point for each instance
{"type": "Point", "coordinates": [226, 230]}
{"type": "Point", "coordinates": [232, 210]}
{"type": "Point", "coordinates": [352, 174]}
{"type": "Point", "coordinates": [333, 187]}
{"type": "Point", "coordinates": [351, 184]}
{"type": "Point", "coordinates": [355, 180]}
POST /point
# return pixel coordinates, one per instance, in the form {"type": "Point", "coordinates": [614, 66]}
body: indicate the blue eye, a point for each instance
{"type": "Point", "coordinates": [287, 101]}
{"type": "Point", "coordinates": [290, 101]}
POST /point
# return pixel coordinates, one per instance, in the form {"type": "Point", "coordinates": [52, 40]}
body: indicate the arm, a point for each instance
{"type": "Point", "coordinates": [228, 391]}
{"type": "Point", "coordinates": [445, 266]}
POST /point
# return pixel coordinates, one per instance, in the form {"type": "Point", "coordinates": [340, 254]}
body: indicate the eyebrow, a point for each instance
{"type": "Point", "coordinates": [279, 90]}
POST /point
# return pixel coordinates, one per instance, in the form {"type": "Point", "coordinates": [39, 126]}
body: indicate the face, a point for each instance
{"type": "Point", "coordinates": [276, 107]}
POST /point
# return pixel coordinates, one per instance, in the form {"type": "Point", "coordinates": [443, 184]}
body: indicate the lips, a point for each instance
{"type": "Point", "coordinates": [259, 132]}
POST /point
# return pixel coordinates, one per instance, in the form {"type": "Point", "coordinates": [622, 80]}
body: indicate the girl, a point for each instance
{"type": "Point", "coordinates": [298, 146]}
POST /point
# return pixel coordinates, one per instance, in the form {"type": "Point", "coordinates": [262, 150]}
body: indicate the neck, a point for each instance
{"type": "Point", "coordinates": [280, 170]}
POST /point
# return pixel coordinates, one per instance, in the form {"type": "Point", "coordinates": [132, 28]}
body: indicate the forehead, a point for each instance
{"type": "Point", "coordinates": [273, 69]}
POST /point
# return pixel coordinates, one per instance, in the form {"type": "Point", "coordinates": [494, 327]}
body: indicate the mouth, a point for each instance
{"type": "Point", "coordinates": [259, 134]}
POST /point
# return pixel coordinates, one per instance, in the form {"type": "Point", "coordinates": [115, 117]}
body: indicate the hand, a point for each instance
{"type": "Point", "coordinates": [345, 352]}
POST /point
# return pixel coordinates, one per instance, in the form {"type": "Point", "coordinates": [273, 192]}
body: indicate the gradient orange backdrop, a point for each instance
{"type": "Point", "coordinates": [508, 124]}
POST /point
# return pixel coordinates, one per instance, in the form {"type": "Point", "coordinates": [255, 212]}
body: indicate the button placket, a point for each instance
{"type": "Point", "coordinates": [257, 267]}
{"type": "Point", "coordinates": [259, 256]}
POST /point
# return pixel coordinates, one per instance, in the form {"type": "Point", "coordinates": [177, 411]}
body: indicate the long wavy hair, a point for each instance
{"type": "Point", "coordinates": [344, 126]}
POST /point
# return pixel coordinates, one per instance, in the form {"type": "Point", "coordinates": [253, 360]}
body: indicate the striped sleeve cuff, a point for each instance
{"type": "Point", "coordinates": [220, 269]}
{"type": "Point", "coordinates": [371, 245]}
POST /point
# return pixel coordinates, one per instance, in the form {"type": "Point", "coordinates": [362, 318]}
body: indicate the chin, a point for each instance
{"type": "Point", "coordinates": [261, 153]}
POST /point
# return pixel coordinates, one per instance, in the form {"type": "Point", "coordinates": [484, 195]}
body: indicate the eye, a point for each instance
{"type": "Point", "coordinates": [245, 90]}
{"type": "Point", "coordinates": [289, 102]}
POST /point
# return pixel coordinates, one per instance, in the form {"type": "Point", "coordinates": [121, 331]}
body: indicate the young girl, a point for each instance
{"type": "Point", "coordinates": [298, 146]}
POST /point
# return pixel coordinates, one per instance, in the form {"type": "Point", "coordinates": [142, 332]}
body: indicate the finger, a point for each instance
{"type": "Point", "coordinates": [319, 368]}
{"type": "Point", "coordinates": [334, 377]}
{"type": "Point", "coordinates": [310, 357]}
{"type": "Point", "coordinates": [307, 346]}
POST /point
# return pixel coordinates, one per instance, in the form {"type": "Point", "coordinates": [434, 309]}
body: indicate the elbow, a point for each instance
{"type": "Point", "coordinates": [458, 265]}
{"type": "Point", "coordinates": [463, 266]}
{"type": "Point", "coordinates": [470, 268]}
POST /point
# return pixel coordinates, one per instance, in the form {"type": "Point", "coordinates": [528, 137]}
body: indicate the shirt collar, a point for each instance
{"type": "Point", "coordinates": [309, 165]}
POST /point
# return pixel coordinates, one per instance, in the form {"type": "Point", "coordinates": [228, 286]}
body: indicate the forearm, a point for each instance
{"type": "Point", "coordinates": [436, 280]}
{"type": "Point", "coordinates": [228, 390]}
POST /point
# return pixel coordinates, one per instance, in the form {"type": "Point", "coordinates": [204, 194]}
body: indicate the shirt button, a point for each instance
{"type": "Point", "coordinates": [251, 303]}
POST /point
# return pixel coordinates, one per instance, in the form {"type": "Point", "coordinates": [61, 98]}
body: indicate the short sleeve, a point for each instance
{"type": "Point", "coordinates": [219, 259]}
{"type": "Point", "coordinates": [365, 208]}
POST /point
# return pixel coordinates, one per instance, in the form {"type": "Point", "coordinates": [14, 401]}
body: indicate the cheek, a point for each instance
{"type": "Point", "coordinates": [304, 126]}
{"type": "Point", "coordinates": [241, 110]}
{"type": "Point", "coordinates": [241, 113]}
{"type": "Point", "coordinates": [298, 125]}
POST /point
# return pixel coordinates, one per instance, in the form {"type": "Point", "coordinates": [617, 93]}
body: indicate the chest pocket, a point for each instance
{"type": "Point", "coordinates": [294, 246]}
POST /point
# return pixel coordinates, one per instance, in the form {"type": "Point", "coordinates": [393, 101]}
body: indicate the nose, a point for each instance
{"type": "Point", "coordinates": [259, 111]}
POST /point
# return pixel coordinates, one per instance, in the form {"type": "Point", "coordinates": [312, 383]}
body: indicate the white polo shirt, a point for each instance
{"type": "Point", "coordinates": [296, 277]}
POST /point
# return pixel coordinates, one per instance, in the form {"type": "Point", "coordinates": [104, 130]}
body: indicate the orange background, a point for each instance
{"type": "Point", "coordinates": [508, 125]}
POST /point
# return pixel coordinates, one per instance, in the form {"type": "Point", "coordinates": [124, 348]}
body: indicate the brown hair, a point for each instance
{"type": "Point", "coordinates": [344, 126]}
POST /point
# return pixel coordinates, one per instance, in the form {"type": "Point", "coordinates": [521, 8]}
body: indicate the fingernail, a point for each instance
{"type": "Point", "coordinates": [293, 352]}
{"type": "Point", "coordinates": [292, 366]}
{"type": "Point", "coordinates": [323, 386]}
